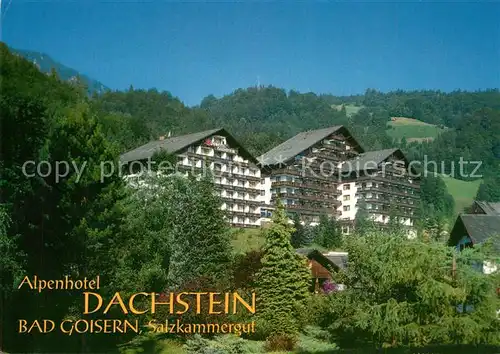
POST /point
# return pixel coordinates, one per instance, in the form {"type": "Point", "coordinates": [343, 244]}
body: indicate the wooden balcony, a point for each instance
{"type": "Point", "coordinates": [331, 200]}
{"type": "Point", "coordinates": [388, 190]}
{"type": "Point", "coordinates": [388, 212]}
{"type": "Point", "coordinates": [387, 180]}
{"type": "Point", "coordinates": [311, 210]}
{"type": "Point", "coordinates": [297, 171]}
{"type": "Point", "coordinates": [332, 189]}
{"type": "Point", "coordinates": [386, 201]}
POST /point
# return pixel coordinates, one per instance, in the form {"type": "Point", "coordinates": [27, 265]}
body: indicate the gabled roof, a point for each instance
{"type": "Point", "coordinates": [489, 208]}
{"type": "Point", "coordinates": [298, 144]}
{"type": "Point", "coordinates": [335, 262]}
{"type": "Point", "coordinates": [479, 227]}
{"type": "Point", "coordinates": [177, 143]}
{"type": "Point", "coordinates": [372, 159]}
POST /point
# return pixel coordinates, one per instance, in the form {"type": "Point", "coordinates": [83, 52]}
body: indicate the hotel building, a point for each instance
{"type": "Point", "coordinates": [326, 171]}
{"type": "Point", "coordinates": [236, 174]}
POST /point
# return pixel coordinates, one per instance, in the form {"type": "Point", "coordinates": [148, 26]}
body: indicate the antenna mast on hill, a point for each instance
{"type": "Point", "coordinates": [258, 82]}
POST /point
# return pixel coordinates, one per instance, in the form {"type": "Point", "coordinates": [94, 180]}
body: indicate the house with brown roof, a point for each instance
{"type": "Point", "coordinates": [322, 265]}
{"type": "Point", "coordinates": [474, 229]}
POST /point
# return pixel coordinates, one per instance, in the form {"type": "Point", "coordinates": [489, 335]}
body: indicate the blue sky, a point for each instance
{"type": "Point", "coordinates": [195, 49]}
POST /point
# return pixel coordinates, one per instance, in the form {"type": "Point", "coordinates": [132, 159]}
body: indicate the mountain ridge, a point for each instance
{"type": "Point", "coordinates": [45, 63]}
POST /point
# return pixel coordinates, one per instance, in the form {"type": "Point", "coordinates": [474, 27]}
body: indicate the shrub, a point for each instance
{"type": "Point", "coordinates": [227, 344]}
{"type": "Point", "coordinates": [280, 342]}
{"type": "Point", "coordinates": [245, 269]}
{"type": "Point", "coordinates": [316, 312]}
{"type": "Point", "coordinates": [201, 284]}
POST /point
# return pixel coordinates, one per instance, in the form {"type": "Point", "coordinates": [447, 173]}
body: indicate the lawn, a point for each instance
{"type": "Point", "coordinates": [463, 192]}
{"type": "Point", "coordinates": [244, 240]}
{"type": "Point", "coordinates": [412, 129]}
{"type": "Point", "coordinates": [350, 109]}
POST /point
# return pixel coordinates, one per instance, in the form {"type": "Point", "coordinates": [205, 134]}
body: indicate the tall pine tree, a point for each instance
{"type": "Point", "coordinates": [283, 281]}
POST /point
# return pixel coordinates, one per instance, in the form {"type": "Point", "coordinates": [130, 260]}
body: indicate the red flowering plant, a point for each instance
{"type": "Point", "coordinates": [329, 287]}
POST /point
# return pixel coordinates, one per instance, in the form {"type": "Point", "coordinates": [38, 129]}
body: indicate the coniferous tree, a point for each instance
{"type": "Point", "coordinates": [200, 235]}
{"type": "Point", "coordinates": [328, 233]}
{"type": "Point", "coordinates": [489, 190]}
{"type": "Point", "coordinates": [402, 292]}
{"type": "Point", "coordinates": [362, 222]}
{"type": "Point", "coordinates": [298, 235]}
{"type": "Point", "coordinates": [282, 282]}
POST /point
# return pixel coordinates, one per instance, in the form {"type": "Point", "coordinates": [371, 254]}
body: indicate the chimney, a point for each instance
{"type": "Point", "coordinates": [161, 137]}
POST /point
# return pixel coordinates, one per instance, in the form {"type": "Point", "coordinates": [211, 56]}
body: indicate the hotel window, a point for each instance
{"type": "Point", "coordinates": [347, 197]}
{"type": "Point", "coordinates": [217, 180]}
{"type": "Point", "coordinates": [241, 195]}
{"type": "Point", "coordinates": [205, 151]}
{"type": "Point", "coordinates": [218, 154]}
{"type": "Point", "coordinates": [241, 183]}
{"type": "Point", "coordinates": [347, 207]}
{"type": "Point", "coordinates": [240, 207]}
{"type": "Point", "coordinates": [347, 187]}
{"type": "Point", "coordinates": [263, 181]}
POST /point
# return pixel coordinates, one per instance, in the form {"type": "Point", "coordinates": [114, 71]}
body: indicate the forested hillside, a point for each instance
{"type": "Point", "coordinates": [46, 64]}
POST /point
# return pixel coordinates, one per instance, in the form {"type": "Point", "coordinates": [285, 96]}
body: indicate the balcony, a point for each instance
{"type": "Point", "coordinates": [227, 149]}
{"type": "Point", "coordinates": [388, 190]}
{"type": "Point", "coordinates": [321, 198]}
{"type": "Point", "coordinates": [297, 171]}
{"type": "Point", "coordinates": [312, 210]}
{"type": "Point", "coordinates": [331, 189]}
{"type": "Point", "coordinates": [390, 180]}
{"type": "Point", "coordinates": [326, 155]}
{"type": "Point", "coordinates": [388, 201]}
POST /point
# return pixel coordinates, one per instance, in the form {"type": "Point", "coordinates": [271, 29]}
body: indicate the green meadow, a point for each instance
{"type": "Point", "coordinates": [412, 129]}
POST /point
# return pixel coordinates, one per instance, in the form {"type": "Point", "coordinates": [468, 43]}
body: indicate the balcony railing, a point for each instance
{"type": "Point", "coordinates": [322, 198]}
{"type": "Point", "coordinates": [331, 189]}
{"type": "Point", "coordinates": [386, 201]}
{"type": "Point", "coordinates": [387, 180]}
{"type": "Point", "coordinates": [225, 149]}
{"type": "Point", "coordinates": [387, 190]}
{"type": "Point", "coordinates": [312, 210]}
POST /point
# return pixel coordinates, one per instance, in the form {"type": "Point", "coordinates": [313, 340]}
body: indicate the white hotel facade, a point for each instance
{"type": "Point", "coordinates": [311, 173]}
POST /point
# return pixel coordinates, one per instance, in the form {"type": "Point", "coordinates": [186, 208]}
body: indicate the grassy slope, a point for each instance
{"type": "Point", "coordinates": [412, 129]}
{"type": "Point", "coordinates": [463, 192]}
{"type": "Point", "coordinates": [244, 240]}
{"type": "Point", "coordinates": [349, 109]}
